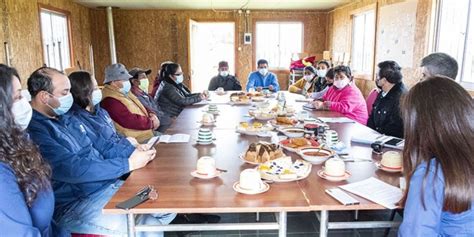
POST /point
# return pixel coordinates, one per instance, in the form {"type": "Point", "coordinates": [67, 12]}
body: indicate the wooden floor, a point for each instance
{"type": "Point", "coordinates": [301, 224]}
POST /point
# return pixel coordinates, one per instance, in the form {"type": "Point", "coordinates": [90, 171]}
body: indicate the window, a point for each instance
{"type": "Point", "coordinates": [55, 37]}
{"type": "Point", "coordinates": [455, 35]}
{"type": "Point", "coordinates": [277, 41]}
{"type": "Point", "coordinates": [363, 34]}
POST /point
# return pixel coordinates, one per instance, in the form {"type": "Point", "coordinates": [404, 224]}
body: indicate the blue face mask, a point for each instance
{"type": "Point", "coordinates": [65, 103]}
{"type": "Point", "coordinates": [179, 79]}
{"type": "Point", "coordinates": [96, 97]}
{"type": "Point", "coordinates": [126, 86]}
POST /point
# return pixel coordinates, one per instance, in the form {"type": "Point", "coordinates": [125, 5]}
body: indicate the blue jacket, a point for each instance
{"type": "Point", "coordinates": [16, 218]}
{"type": "Point", "coordinates": [100, 123]}
{"type": "Point", "coordinates": [82, 162]}
{"type": "Point", "coordinates": [432, 220]}
{"type": "Point", "coordinates": [256, 79]}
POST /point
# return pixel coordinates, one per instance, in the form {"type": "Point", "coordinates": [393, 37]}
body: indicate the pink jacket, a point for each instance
{"type": "Point", "coordinates": [348, 101]}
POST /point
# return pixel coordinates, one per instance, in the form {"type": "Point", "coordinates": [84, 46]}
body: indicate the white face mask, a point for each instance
{"type": "Point", "coordinates": [224, 73]}
{"type": "Point", "coordinates": [96, 96]}
{"type": "Point", "coordinates": [22, 112]}
{"type": "Point", "coordinates": [341, 83]}
{"type": "Point", "coordinates": [308, 77]}
{"type": "Point", "coordinates": [263, 71]}
{"type": "Point", "coordinates": [322, 72]}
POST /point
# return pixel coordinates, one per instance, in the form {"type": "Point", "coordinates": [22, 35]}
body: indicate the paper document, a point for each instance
{"type": "Point", "coordinates": [307, 100]}
{"type": "Point", "coordinates": [202, 102]}
{"type": "Point", "coordinates": [176, 138]}
{"type": "Point", "coordinates": [376, 137]}
{"type": "Point", "coordinates": [336, 120]}
{"type": "Point", "coordinates": [376, 191]}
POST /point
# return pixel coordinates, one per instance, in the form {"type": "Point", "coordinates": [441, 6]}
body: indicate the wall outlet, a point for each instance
{"type": "Point", "coordinates": [247, 38]}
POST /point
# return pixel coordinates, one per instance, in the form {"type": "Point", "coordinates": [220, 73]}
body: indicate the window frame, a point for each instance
{"type": "Point", "coordinates": [371, 74]}
{"type": "Point", "coordinates": [254, 41]}
{"type": "Point", "coordinates": [67, 14]}
{"type": "Point", "coordinates": [436, 39]}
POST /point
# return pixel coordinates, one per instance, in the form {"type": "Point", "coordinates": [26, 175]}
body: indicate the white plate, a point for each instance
{"type": "Point", "coordinates": [323, 175]}
{"type": "Point", "coordinates": [200, 176]}
{"type": "Point", "coordinates": [238, 189]}
{"type": "Point", "coordinates": [241, 157]}
{"type": "Point", "coordinates": [207, 124]}
{"type": "Point", "coordinates": [205, 143]}
{"type": "Point", "coordinates": [239, 103]}
{"type": "Point", "coordinates": [276, 178]}
{"type": "Point", "coordinates": [262, 132]}
{"type": "Point", "coordinates": [390, 170]}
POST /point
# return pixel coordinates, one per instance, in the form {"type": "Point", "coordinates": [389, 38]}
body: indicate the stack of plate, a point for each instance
{"type": "Point", "coordinates": [204, 136]}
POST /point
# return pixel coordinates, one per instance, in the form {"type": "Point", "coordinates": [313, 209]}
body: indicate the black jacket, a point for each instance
{"type": "Point", "coordinates": [229, 83]}
{"type": "Point", "coordinates": [172, 97]}
{"type": "Point", "coordinates": [385, 117]}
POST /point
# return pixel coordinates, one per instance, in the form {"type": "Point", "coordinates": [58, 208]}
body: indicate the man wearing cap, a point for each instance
{"type": "Point", "coordinates": [224, 79]}
{"type": "Point", "coordinates": [140, 88]}
{"type": "Point", "coordinates": [130, 117]}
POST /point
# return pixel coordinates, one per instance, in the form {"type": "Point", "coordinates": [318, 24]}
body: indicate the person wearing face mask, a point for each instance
{"type": "Point", "coordinates": [140, 88]}
{"type": "Point", "coordinates": [85, 167]}
{"type": "Point", "coordinates": [329, 80]}
{"type": "Point", "coordinates": [385, 117]}
{"type": "Point", "coordinates": [224, 80]}
{"type": "Point", "coordinates": [262, 78]}
{"type": "Point", "coordinates": [322, 69]}
{"type": "Point", "coordinates": [27, 198]}
{"type": "Point", "coordinates": [131, 118]}
{"type": "Point", "coordinates": [86, 108]}
{"type": "Point", "coordinates": [305, 85]}
{"type": "Point", "coordinates": [172, 96]}
{"type": "Point", "coordinates": [344, 97]}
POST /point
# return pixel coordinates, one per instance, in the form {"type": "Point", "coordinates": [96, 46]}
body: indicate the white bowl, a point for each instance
{"type": "Point", "coordinates": [293, 132]}
{"type": "Point", "coordinates": [315, 159]}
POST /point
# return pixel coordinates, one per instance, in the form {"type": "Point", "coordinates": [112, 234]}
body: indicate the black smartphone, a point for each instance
{"type": "Point", "coordinates": [394, 142]}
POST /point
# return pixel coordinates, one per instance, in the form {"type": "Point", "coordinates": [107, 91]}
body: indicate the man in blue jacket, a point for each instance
{"type": "Point", "coordinates": [262, 78]}
{"type": "Point", "coordinates": [86, 168]}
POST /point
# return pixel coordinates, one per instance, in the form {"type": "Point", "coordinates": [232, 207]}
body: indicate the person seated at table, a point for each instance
{"type": "Point", "coordinates": [262, 78]}
{"type": "Point", "coordinates": [344, 97]}
{"type": "Point", "coordinates": [86, 108]}
{"type": "Point", "coordinates": [314, 80]}
{"type": "Point", "coordinates": [224, 80]}
{"type": "Point", "coordinates": [306, 84]}
{"type": "Point", "coordinates": [172, 96]}
{"type": "Point", "coordinates": [130, 117]}
{"type": "Point", "coordinates": [439, 64]}
{"type": "Point", "coordinates": [85, 171]}
{"type": "Point", "coordinates": [158, 79]}
{"type": "Point", "coordinates": [385, 117]}
{"type": "Point", "coordinates": [140, 83]}
{"type": "Point", "coordinates": [329, 80]}
{"type": "Point", "coordinates": [26, 199]}
{"type": "Point", "coordinates": [437, 159]}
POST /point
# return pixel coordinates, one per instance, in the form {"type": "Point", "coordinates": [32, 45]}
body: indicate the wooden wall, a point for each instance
{"type": "Point", "coordinates": [339, 36]}
{"type": "Point", "coordinates": [21, 28]}
{"type": "Point", "coordinates": [145, 38]}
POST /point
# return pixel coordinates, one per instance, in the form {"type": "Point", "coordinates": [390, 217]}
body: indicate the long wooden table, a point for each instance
{"type": "Point", "coordinates": [179, 192]}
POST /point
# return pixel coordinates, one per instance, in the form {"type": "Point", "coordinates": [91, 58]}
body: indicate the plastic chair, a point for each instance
{"type": "Point", "coordinates": [371, 99]}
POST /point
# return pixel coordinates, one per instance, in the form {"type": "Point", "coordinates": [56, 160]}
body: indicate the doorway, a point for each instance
{"type": "Point", "coordinates": [209, 43]}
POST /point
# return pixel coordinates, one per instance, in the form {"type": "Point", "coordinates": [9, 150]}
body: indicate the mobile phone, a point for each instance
{"type": "Point", "coordinates": [394, 142]}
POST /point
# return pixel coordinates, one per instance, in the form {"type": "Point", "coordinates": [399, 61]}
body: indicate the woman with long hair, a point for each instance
{"type": "Point", "coordinates": [172, 96]}
{"type": "Point", "coordinates": [26, 196]}
{"type": "Point", "coordinates": [438, 159]}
